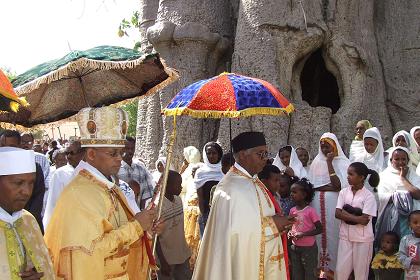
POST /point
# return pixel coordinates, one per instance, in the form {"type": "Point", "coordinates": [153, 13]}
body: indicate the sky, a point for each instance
{"type": "Point", "coordinates": [36, 31]}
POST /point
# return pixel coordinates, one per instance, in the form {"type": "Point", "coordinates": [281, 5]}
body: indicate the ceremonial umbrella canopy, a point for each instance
{"type": "Point", "coordinates": [96, 77]}
{"type": "Point", "coordinates": [229, 96]}
{"type": "Point", "coordinates": [9, 101]}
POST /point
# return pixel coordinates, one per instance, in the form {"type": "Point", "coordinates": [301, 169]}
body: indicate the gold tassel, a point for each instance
{"type": "Point", "coordinates": [229, 114]}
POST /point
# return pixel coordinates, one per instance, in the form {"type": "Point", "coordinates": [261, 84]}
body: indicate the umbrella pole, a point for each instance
{"type": "Point", "coordinates": [230, 136]}
{"type": "Point", "coordinates": [162, 190]}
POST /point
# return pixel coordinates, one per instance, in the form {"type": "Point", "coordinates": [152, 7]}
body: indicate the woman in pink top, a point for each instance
{"type": "Point", "coordinates": [356, 206]}
{"type": "Point", "coordinates": [304, 251]}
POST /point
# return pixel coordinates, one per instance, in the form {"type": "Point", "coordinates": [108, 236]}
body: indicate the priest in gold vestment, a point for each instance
{"type": "Point", "coordinates": [23, 254]}
{"type": "Point", "coordinates": [242, 239]}
{"type": "Point", "coordinates": [93, 234]}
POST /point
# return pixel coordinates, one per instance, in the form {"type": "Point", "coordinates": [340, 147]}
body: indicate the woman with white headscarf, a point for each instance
{"type": "Point", "coordinates": [192, 157]}
{"type": "Point", "coordinates": [206, 177]}
{"type": "Point", "coordinates": [328, 174]}
{"type": "Point", "coordinates": [191, 211]}
{"type": "Point", "coordinates": [399, 194]}
{"type": "Point", "coordinates": [403, 139]}
{"type": "Point", "coordinates": [373, 151]}
{"type": "Point", "coordinates": [288, 162]}
{"type": "Point", "coordinates": [160, 168]}
{"type": "Point", "coordinates": [415, 134]}
{"type": "Point", "coordinates": [356, 146]}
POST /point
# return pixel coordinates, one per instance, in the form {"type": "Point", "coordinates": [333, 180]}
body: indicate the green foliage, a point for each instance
{"type": "Point", "coordinates": [126, 25]}
{"type": "Point", "coordinates": [131, 108]}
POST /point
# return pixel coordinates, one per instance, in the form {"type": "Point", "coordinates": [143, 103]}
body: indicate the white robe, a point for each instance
{"type": "Point", "coordinates": [233, 239]}
{"type": "Point", "coordinates": [60, 179]}
{"type": "Point", "coordinates": [326, 202]}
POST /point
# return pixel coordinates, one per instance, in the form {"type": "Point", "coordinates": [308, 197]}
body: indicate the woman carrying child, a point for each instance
{"type": "Point", "coordinates": [304, 251]}
{"type": "Point", "coordinates": [356, 206]}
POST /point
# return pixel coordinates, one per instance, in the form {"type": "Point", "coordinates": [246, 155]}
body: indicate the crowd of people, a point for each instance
{"type": "Point", "coordinates": [91, 208]}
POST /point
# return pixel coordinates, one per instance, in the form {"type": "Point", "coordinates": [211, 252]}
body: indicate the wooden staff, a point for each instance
{"type": "Point", "coordinates": [164, 181]}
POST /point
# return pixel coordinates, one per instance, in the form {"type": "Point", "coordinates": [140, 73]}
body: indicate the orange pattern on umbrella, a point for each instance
{"type": "Point", "coordinates": [9, 100]}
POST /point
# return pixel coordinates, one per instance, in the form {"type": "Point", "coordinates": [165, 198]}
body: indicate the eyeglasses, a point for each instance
{"type": "Point", "coordinates": [263, 155]}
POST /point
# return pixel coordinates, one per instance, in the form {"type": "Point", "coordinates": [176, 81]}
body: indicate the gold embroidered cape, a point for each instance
{"type": "Point", "coordinates": [92, 234]}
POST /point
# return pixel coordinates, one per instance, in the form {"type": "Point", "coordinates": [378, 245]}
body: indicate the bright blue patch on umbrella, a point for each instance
{"type": "Point", "coordinates": [251, 94]}
{"type": "Point", "coordinates": [184, 97]}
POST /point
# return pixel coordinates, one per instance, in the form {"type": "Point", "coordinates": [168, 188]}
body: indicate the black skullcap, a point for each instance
{"type": "Point", "coordinates": [248, 140]}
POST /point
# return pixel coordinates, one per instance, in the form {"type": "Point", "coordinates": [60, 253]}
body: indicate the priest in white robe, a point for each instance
{"type": "Point", "coordinates": [242, 239]}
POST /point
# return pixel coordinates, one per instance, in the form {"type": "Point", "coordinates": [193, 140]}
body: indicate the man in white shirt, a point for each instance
{"type": "Point", "coordinates": [61, 177]}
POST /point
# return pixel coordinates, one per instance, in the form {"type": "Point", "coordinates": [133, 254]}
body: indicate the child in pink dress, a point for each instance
{"type": "Point", "coordinates": [356, 206]}
{"type": "Point", "coordinates": [304, 251]}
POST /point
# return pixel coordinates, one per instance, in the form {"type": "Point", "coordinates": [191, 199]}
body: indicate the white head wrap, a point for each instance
{"type": "Point", "coordinates": [318, 172]}
{"type": "Point", "coordinates": [374, 161]}
{"type": "Point", "coordinates": [160, 160]}
{"type": "Point", "coordinates": [411, 146]}
{"type": "Point", "coordinates": [412, 131]}
{"type": "Point", "coordinates": [294, 163]}
{"type": "Point", "coordinates": [16, 161]}
{"type": "Point", "coordinates": [208, 172]}
{"type": "Point", "coordinates": [192, 154]}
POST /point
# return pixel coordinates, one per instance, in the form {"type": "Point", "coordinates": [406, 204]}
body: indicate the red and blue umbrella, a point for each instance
{"type": "Point", "coordinates": [229, 95]}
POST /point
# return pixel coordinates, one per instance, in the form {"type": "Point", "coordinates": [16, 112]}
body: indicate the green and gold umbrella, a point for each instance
{"type": "Point", "coordinates": [96, 77]}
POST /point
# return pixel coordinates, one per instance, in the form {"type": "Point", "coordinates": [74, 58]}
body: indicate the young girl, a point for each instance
{"type": "Point", "coordinates": [356, 205]}
{"type": "Point", "coordinates": [409, 253]}
{"type": "Point", "coordinates": [304, 251]}
{"type": "Point", "coordinates": [284, 199]}
{"type": "Point", "coordinates": [385, 264]}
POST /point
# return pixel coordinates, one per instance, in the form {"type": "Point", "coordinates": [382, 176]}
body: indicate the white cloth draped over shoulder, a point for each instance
{"type": "Point", "coordinates": [295, 164]}
{"type": "Point", "coordinates": [325, 202]}
{"type": "Point", "coordinates": [390, 182]}
{"type": "Point", "coordinates": [411, 146]}
{"type": "Point", "coordinates": [374, 161]}
{"type": "Point", "coordinates": [208, 171]}
{"type": "Point", "coordinates": [356, 148]}
{"type": "Point", "coordinates": [239, 231]}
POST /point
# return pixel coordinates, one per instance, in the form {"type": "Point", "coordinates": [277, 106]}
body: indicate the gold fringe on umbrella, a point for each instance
{"type": "Point", "coordinates": [83, 62]}
{"type": "Point", "coordinates": [229, 114]}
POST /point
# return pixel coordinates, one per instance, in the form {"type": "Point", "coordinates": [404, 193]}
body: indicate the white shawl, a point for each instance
{"type": "Point", "coordinates": [356, 149]}
{"type": "Point", "coordinates": [374, 161]}
{"type": "Point", "coordinates": [391, 182]}
{"type": "Point", "coordinates": [294, 163]}
{"type": "Point", "coordinates": [208, 172]}
{"type": "Point", "coordinates": [411, 146]}
{"type": "Point", "coordinates": [10, 219]}
{"type": "Point", "coordinates": [318, 173]}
